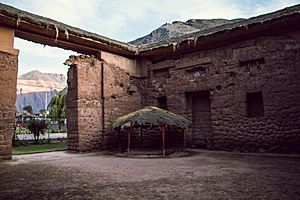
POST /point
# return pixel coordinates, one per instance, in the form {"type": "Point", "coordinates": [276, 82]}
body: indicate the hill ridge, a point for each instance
{"type": "Point", "coordinates": [179, 28]}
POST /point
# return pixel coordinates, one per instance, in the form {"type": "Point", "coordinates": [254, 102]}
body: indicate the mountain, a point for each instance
{"type": "Point", "coordinates": [36, 89]}
{"type": "Point", "coordinates": [178, 28]}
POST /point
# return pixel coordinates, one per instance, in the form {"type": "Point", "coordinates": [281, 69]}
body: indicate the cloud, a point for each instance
{"type": "Point", "coordinates": [255, 8]}
{"type": "Point", "coordinates": [44, 58]}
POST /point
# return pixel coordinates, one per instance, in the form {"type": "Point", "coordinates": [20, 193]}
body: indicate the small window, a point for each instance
{"type": "Point", "coordinates": [198, 71]}
{"type": "Point", "coordinates": [255, 104]}
{"type": "Point", "coordinates": [253, 65]}
{"type": "Point", "coordinates": [162, 102]}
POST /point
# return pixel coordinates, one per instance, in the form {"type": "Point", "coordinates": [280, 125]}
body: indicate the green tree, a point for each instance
{"type": "Point", "coordinates": [63, 106]}
{"type": "Point", "coordinates": [28, 108]}
{"type": "Point", "coordinates": [59, 107]}
{"type": "Point", "coordinates": [37, 127]}
{"type": "Point", "coordinates": [54, 113]}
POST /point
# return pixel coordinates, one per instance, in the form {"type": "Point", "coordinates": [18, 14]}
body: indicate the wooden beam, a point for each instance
{"type": "Point", "coordinates": [67, 45]}
{"type": "Point", "coordinates": [49, 34]}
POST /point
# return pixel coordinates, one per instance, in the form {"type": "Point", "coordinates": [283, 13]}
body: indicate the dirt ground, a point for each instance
{"type": "Point", "coordinates": [207, 175]}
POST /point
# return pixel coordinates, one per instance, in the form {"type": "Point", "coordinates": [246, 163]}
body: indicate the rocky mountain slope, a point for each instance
{"type": "Point", "coordinates": [36, 89]}
{"type": "Point", "coordinates": [178, 28]}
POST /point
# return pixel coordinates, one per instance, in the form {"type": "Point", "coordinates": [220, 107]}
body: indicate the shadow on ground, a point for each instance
{"type": "Point", "coordinates": [206, 175]}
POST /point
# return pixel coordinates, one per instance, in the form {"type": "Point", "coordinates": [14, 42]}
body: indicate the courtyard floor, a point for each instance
{"type": "Point", "coordinates": [206, 175]}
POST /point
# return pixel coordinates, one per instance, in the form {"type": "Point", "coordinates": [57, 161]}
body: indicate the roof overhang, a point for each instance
{"type": "Point", "coordinates": [274, 27]}
{"type": "Point", "coordinates": [49, 32]}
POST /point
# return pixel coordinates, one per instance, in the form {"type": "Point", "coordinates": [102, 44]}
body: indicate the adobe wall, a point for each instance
{"type": "Point", "coordinates": [267, 64]}
{"type": "Point", "coordinates": [84, 103]}
{"type": "Point", "coordinates": [100, 90]}
{"type": "Point", "coordinates": [8, 84]}
{"type": "Point", "coordinates": [121, 96]}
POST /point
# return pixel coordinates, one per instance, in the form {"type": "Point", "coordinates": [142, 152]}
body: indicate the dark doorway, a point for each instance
{"type": "Point", "coordinates": [255, 104]}
{"type": "Point", "coordinates": [201, 122]}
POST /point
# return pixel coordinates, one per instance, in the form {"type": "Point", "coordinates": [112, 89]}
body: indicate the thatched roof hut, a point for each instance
{"type": "Point", "coordinates": [151, 116]}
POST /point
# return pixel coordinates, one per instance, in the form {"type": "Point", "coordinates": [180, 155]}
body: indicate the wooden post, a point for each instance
{"type": "Point", "coordinates": [119, 140]}
{"type": "Point", "coordinates": [141, 135]}
{"type": "Point", "coordinates": [167, 132]}
{"type": "Point", "coordinates": [182, 132]}
{"type": "Point", "coordinates": [128, 142]}
{"type": "Point", "coordinates": [163, 140]}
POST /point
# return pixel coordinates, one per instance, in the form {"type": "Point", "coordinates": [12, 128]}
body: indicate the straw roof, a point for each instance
{"type": "Point", "coordinates": [151, 116]}
{"type": "Point", "coordinates": [62, 31]}
{"type": "Point", "coordinates": [26, 22]}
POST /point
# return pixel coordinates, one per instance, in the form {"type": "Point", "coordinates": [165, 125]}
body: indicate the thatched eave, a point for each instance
{"type": "Point", "coordinates": [151, 116]}
{"type": "Point", "coordinates": [50, 32]}
{"type": "Point", "coordinates": [270, 24]}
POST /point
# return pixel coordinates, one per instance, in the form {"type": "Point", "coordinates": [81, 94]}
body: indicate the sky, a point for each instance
{"type": "Point", "coordinates": [124, 20]}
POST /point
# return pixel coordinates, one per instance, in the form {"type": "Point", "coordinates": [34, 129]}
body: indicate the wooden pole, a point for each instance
{"type": "Point", "coordinates": [163, 140]}
{"type": "Point", "coordinates": [182, 132]}
{"type": "Point", "coordinates": [141, 135]}
{"type": "Point", "coordinates": [167, 138]}
{"type": "Point", "coordinates": [128, 146]}
{"type": "Point", "coordinates": [119, 140]}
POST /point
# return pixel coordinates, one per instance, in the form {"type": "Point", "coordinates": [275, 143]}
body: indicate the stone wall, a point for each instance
{"type": "Point", "coordinates": [251, 88]}
{"type": "Point", "coordinates": [8, 83]}
{"type": "Point", "coordinates": [98, 93]}
{"type": "Point", "coordinates": [266, 66]}
{"type": "Point", "coordinates": [84, 104]}
{"type": "Point", "coordinates": [121, 96]}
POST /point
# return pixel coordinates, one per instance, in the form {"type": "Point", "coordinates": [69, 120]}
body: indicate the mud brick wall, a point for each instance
{"type": "Point", "coordinates": [72, 109]}
{"type": "Point", "coordinates": [8, 83]}
{"type": "Point", "coordinates": [84, 110]}
{"type": "Point", "coordinates": [269, 66]}
{"type": "Point", "coordinates": [252, 87]}
{"type": "Point", "coordinates": [121, 96]}
{"type": "Point", "coordinates": [98, 93]}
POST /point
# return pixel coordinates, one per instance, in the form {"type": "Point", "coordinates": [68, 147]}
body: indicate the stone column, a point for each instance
{"type": "Point", "coordinates": [84, 103]}
{"type": "Point", "coordinates": [8, 83]}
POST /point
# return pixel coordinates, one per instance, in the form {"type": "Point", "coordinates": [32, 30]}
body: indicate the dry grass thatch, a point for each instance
{"type": "Point", "coordinates": [29, 18]}
{"type": "Point", "coordinates": [151, 116]}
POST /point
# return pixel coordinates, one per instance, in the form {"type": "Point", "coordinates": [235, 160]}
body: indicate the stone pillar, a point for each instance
{"type": "Point", "coordinates": [99, 91]}
{"type": "Point", "coordinates": [84, 103]}
{"type": "Point", "coordinates": [8, 83]}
